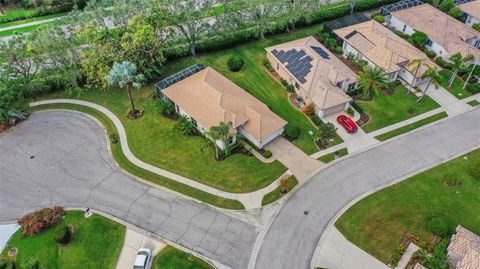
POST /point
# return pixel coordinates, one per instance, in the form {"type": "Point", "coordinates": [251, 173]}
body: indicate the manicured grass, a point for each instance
{"type": "Point", "coordinates": [379, 222]}
{"type": "Point", "coordinates": [172, 258]}
{"type": "Point", "coordinates": [97, 243]}
{"type": "Point", "coordinates": [277, 194]}
{"type": "Point", "coordinates": [412, 126]}
{"type": "Point", "coordinates": [123, 162]}
{"type": "Point", "coordinates": [474, 103]}
{"type": "Point", "coordinates": [20, 22]}
{"type": "Point", "coordinates": [26, 29]}
{"type": "Point", "coordinates": [334, 155]}
{"type": "Point", "coordinates": [16, 13]}
{"type": "Point", "coordinates": [385, 110]}
{"type": "Point", "coordinates": [457, 86]}
{"type": "Point", "coordinates": [255, 79]}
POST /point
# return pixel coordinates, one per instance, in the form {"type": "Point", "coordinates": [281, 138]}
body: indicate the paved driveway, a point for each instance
{"type": "Point", "coordinates": [293, 236]}
{"type": "Point", "coordinates": [60, 158]}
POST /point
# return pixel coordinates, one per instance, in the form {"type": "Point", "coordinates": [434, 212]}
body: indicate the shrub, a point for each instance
{"type": "Point", "coordinates": [309, 109]}
{"type": "Point", "coordinates": [446, 5]}
{"type": "Point", "coordinates": [475, 169]}
{"type": "Point", "coordinates": [235, 63]}
{"type": "Point", "coordinates": [185, 126]}
{"type": "Point", "coordinates": [165, 106]}
{"type": "Point", "coordinates": [268, 65]}
{"type": "Point", "coordinates": [114, 138]}
{"type": "Point", "coordinates": [350, 56]}
{"type": "Point", "coordinates": [351, 111]}
{"type": "Point", "coordinates": [290, 88]}
{"type": "Point", "coordinates": [7, 264]}
{"type": "Point", "coordinates": [324, 36]}
{"type": "Point", "coordinates": [284, 82]}
{"type": "Point", "coordinates": [32, 264]}
{"type": "Point", "coordinates": [419, 39]}
{"type": "Point", "coordinates": [473, 88]}
{"type": "Point", "coordinates": [267, 154]}
{"type": "Point", "coordinates": [430, 54]}
{"type": "Point", "coordinates": [361, 63]}
{"type": "Point", "coordinates": [63, 235]}
{"type": "Point", "coordinates": [397, 255]}
{"type": "Point", "coordinates": [476, 26]}
{"type": "Point", "coordinates": [292, 131]}
{"type": "Point", "coordinates": [327, 132]}
{"type": "Point", "coordinates": [401, 34]}
{"type": "Point", "coordinates": [439, 226]}
{"type": "Point", "coordinates": [339, 50]}
{"type": "Point", "coordinates": [379, 18]}
{"type": "Point", "coordinates": [316, 120]}
{"type": "Point", "coordinates": [40, 220]}
{"type": "Point", "coordinates": [456, 12]}
{"type": "Point", "coordinates": [331, 43]}
{"type": "Point", "coordinates": [442, 63]}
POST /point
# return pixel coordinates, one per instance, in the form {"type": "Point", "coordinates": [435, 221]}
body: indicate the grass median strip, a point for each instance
{"type": "Point", "coordinates": [334, 155]}
{"type": "Point", "coordinates": [140, 172]}
{"type": "Point", "coordinates": [474, 103]}
{"type": "Point", "coordinates": [172, 258]}
{"type": "Point", "coordinates": [412, 126]}
{"type": "Point", "coordinates": [276, 194]}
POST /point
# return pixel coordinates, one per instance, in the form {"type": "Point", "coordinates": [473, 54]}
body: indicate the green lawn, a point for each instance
{"type": "Point", "coordinates": [26, 29]}
{"type": "Point", "coordinates": [412, 126]}
{"type": "Point", "coordinates": [379, 222]}
{"type": "Point", "coordinates": [474, 103]}
{"type": "Point", "coordinates": [457, 86]}
{"type": "Point", "coordinates": [142, 173]}
{"type": "Point", "coordinates": [256, 80]}
{"type": "Point", "coordinates": [152, 140]}
{"type": "Point", "coordinates": [20, 22]}
{"type": "Point", "coordinates": [16, 13]}
{"type": "Point", "coordinates": [277, 193]}
{"type": "Point", "coordinates": [334, 155]}
{"type": "Point", "coordinates": [172, 258]}
{"type": "Point", "coordinates": [97, 244]}
{"type": "Point", "coordinates": [385, 110]}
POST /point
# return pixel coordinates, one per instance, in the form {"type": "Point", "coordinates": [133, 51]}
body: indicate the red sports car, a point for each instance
{"type": "Point", "coordinates": [347, 123]}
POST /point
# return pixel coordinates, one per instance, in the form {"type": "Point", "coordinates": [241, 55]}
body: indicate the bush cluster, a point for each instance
{"type": "Point", "coordinates": [42, 11]}
{"type": "Point", "coordinates": [235, 63]}
{"type": "Point", "coordinates": [442, 63]}
{"type": "Point", "coordinates": [267, 154]}
{"type": "Point", "coordinates": [63, 235]}
{"type": "Point", "coordinates": [439, 226]}
{"type": "Point", "coordinates": [7, 264]}
{"type": "Point", "coordinates": [40, 220]}
{"type": "Point", "coordinates": [292, 131]}
{"type": "Point", "coordinates": [473, 88]}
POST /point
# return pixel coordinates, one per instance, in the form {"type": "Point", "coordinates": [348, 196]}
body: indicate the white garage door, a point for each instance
{"type": "Point", "coordinates": [333, 110]}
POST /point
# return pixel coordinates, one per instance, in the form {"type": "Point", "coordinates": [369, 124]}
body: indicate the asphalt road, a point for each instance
{"type": "Point", "coordinates": [292, 238]}
{"type": "Point", "coordinates": [61, 158]}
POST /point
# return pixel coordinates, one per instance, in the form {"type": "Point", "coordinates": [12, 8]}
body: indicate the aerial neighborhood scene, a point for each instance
{"type": "Point", "coordinates": [242, 134]}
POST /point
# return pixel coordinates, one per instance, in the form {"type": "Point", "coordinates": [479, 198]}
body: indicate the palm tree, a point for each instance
{"type": "Point", "coordinates": [220, 132]}
{"type": "Point", "coordinates": [371, 79]}
{"type": "Point", "coordinates": [458, 63]}
{"type": "Point", "coordinates": [416, 65]}
{"type": "Point", "coordinates": [124, 75]}
{"type": "Point", "coordinates": [435, 80]}
{"type": "Point", "coordinates": [213, 137]}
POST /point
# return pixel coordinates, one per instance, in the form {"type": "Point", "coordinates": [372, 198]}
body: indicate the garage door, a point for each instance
{"type": "Point", "coordinates": [333, 110]}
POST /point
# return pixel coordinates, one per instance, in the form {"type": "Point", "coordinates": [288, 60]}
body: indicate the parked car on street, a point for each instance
{"type": "Point", "coordinates": [347, 123]}
{"type": "Point", "coordinates": [144, 259]}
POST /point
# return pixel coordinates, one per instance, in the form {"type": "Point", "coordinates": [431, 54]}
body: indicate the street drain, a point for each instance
{"type": "Point", "coordinates": [31, 157]}
{"type": "Point", "coordinates": [305, 212]}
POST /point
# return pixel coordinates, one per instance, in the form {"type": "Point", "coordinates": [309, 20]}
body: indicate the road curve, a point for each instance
{"type": "Point", "coordinates": [291, 239]}
{"type": "Point", "coordinates": [61, 158]}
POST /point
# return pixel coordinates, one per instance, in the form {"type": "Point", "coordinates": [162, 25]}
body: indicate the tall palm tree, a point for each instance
{"type": "Point", "coordinates": [458, 63]}
{"type": "Point", "coordinates": [124, 75]}
{"type": "Point", "coordinates": [213, 137]}
{"type": "Point", "coordinates": [371, 79]}
{"type": "Point", "coordinates": [416, 65]}
{"type": "Point", "coordinates": [435, 80]}
{"type": "Point", "coordinates": [220, 132]}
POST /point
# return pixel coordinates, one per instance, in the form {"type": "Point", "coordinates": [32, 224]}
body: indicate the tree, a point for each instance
{"type": "Point", "coordinates": [188, 17]}
{"type": "Point", "coordinates": [446, 5]}
{"type": "Point", "coordinates": [259, 14]}
{"type": "Point", "coordinates": [371, 79]}
{"type": "Point", "coordinates": [185, 126]}
{"type": "Point", "coordinates": [416, 65]}
{"type": "Point", "coordinates": [327, 132]}
{"type": "Point", "coordinates": [456, 12]}
{"type": "Point", "coordinates": [435, 80]}
{"type": "Point", "coordinates": [124, 75]}
{"type": "Point", "coordinates": [458, 63]}
{"type": "Point", "coordinates": [419, 39]}
{"type": "Point", "coordinates": [297, 9]}
{"type": "Point", "coordinates": [221, 132]}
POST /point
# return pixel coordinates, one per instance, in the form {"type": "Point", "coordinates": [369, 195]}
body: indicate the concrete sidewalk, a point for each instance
{"type": "Point", "coordinates": [6, 232]}
{"type": "Point", "coordinates": [447, 101]}
{"type": "Point", "coordinates": [133, 241]}
{"type": "Point", "coordinates": [19, 26]}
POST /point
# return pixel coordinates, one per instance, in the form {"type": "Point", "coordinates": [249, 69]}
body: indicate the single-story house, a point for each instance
{"type": "Point", "coordinates": [381, 48]}
{"type": "Point", "coordinates": [463, 252]}
{"type": "Point", "coordinates": [209, 98]}
{"type": "Point", "coordinates": [471, 11]}
{"type": "Point", "coordinates": [447, 35]}
{"type": "Point", "coordinates": [317, 75]}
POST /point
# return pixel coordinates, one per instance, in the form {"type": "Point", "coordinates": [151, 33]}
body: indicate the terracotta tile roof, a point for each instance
{"type": "Point", "coordinates": [419, 266]}
{"type": "Point", "coordinates": [441, 28]}
{"type": "Point", "coordinates": [324, 75]}
{"type": "Point", "coordinates": [471, 8]}
{"type": "Point", "coordinates": [381, 46]}
{"type": "Point", "coordinates": [211, 98]}
{"type": "Point", "coordinates": [466, 245]}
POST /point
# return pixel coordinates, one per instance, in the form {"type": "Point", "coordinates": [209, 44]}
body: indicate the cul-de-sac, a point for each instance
{"type": "Point", "coordinates": [239, 134]}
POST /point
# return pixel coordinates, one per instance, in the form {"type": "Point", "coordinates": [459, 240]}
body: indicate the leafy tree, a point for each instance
{"type": "Point", "coordinates": [259, 14]}
{"type": "Point", "coordinates": [456, 12]}
{"type": "Point", "coordinates": [221, 132]}
{"type": "Point", "coordinates": [419, 39]}
{"type": "Point", "coordinates": [371, 79]}
{"type": "Point", "coordinates": [124, 75]}
{"type": "Point", "coordinates": [435, 80]}
{"type": "Point", "coordinates": [297, 9]}
{"type": "Point", "coordinates": [446, 5]}
{"type": "Point", "coordinates": [458, 63]}
{"type": "Point", "coordinates": [188, 17]}
{"type": "Point", "coordinates": [327, 132]}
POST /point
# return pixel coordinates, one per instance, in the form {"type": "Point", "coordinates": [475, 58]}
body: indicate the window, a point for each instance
{"type": "Point", "coordinates": [231, 140]}
{"type": "Point", "coordinates": [278, 66]}
{"type": "Point", "coordinates": [297, 85]}
{"type": "Point", "coordinates": [351, 87]}
{"type": "Point", "coordinates": [177, 108]}
{"type": "Point", "coordinates": [404, 27]}
{"type": "Point", "coordinates": [477, 44]}
{"type": "Point", "coordinates": [194, 122]}
{"type": "Point", "coordinates": [429, 43]}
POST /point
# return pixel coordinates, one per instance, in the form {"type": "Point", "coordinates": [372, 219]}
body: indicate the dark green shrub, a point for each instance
{"type": "Point", "coordinates": [439, 226]}
{"type": "Point", "coordinates": [164, 106]}
{"type": "Point", "coordinates": [446, 5]}
{"type": "Point", "coordinates": [284, 82]}
{"type": "Point", "coordinates": [290, 88]}
{"type": "Point", "coordinates": [430, 54]}
{"type": "Point", "coordinates": [456, 12]}
{"type": "Point", "coordinates": [473, 88]}
{"type": "Point", "coordinates": [324, 36]}
{"type": "Point", "coordinates": [7, 264]}
{"type": "Point", "coordinates": [185, 126]}
{"type": "Point", "coordinates": [339, 50]}
{"type": "Point", "coordinates": [268, 65]}
{"type": "Point", "coordinates": [442, 63]}
{"type": "Point", "coordinates": [32, 264]}
{"type": "Point", "coordinates": [235, 63]}
{"type": "Point", "coordinates": [267, 154]}
{"type": "Point", "coordinates": [63, 235]}
{"type": "Point", "coordinates": [316, 120]}
{"type": "Point", "coordinates": [114, 138]}
{"type": "Point", "coordinates": [292, 131]}
{"type": "Point", "coordinates": [475, 169]}
{"type": "Point", "coordinates": [351, 111]}
{"type": "Point", "coordinates": [331, 43]}
{"type": "Point", "coordinates": [379, 18]}
{"type": "Point", "coordinates": [419, 39]}
{"type": "Point", "coordinates": [401, 34]}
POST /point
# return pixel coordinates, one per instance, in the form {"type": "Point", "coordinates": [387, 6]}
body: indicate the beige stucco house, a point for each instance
{"type": "Point", "coordinates": [316, 74]}
{"type": "Point", "coordinates": [208, 98]}
{"type": "Point", "coordinates": [463, 252]}
{"type": "Point", "coordinates": [472, 12]}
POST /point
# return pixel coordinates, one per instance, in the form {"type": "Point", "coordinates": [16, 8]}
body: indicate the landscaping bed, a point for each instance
{"type": "Point", "coordinates": [334, 155]}
{"type": "Point", "coordinates": [457, 86]}
{"type": "Point", "coordinates": [379, 222]}
{"type": "Point", "coordinates": [280, 191]}
{"type": "Point", "coordinates": [474, 103]}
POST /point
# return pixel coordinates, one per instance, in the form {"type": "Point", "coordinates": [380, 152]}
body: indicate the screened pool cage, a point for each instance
{"type": "Point", "coordinates": [386, 10]}
{"type": "Point", "coordinates": [185, 73]}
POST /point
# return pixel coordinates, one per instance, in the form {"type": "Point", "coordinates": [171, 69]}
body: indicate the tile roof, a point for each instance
{"type": "Point", "coordinates": [441, 28]}
{"type": "Point", "coordinates": [381, 46]}
{"type": "Point", "coordinates": [466, 245]}
{"type": "Point", "coordinates": [326, 71]}
{"type": "Point", "coordinates": [211, 98]}
{"type": "Point", "coordinates": [471, 8]}
{"type": "Point", "coordinates": [419, 266]}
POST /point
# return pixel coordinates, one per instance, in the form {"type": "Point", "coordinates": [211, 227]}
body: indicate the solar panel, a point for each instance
{"type": "Point", "coordinates": [298, 62]}
{"type": "Point", "coordinates": [178, 76]}
{"type": "Point", "coordinates": [321, 52]}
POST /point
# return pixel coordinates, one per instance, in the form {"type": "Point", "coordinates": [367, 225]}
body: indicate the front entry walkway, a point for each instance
{"type": "Point", "coordinates": [300, 164]}
{"type": "Point", "coordinates": [450, 103]}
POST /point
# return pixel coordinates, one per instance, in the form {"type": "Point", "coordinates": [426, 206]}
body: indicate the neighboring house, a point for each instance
{"type": "Point", "coordinates": [208, 98]}
{"type": "Point", "coordinates": [447, 35]}
{"type": "Point", "coordinates": [471, 11]}
{"type": "Point", "coordinates": [381, 48]}
{"type": "Point", "coordinates": [463, 252]}
{"type": "Point", "coordinates": [316, 74]}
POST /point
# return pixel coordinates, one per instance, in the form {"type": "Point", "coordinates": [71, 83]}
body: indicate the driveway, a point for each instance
{"type": "Point", "coordinates": [135, 240]}
{"type": "Point", "coordinates": [61, 158]}
{"type": "Point", "coordinates": [293, 236]}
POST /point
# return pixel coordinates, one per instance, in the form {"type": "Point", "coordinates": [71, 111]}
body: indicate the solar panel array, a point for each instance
{"type": "Point", "coordinates": [321, 52]}
{"type": "Point", "coordinates": [298, 62]}
{"type": "Point", "coordinates": [386, 10]}
{"type": "Point", "coordinates": [179, 76]}
{"type": "Point", "coordinates": [459, 2]}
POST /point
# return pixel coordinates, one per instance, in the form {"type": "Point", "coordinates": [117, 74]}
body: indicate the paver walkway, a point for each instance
{"type": "Point", "coordinates": [448, 102]}
{"type": "Point", "coordinates": [135, 240]}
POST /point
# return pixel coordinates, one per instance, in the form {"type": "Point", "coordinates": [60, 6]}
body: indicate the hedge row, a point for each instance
{"type": "Point", "coordinates": [43, 11]}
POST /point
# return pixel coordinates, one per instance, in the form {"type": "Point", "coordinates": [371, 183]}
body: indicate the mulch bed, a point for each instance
{"type": "Point", "coordinates": [319, 144]}
{"type": "Point", "coordinates": [364, 118]}
{"type": "Point", "coordinates": [388, 91]}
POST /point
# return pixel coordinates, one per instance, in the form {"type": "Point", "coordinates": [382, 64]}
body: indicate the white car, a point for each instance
{"type": "Point", "coordinates": [144, 259]}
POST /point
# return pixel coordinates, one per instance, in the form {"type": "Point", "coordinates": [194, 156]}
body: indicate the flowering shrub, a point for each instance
{"type": "Point", "coordinates": [40, 220]}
